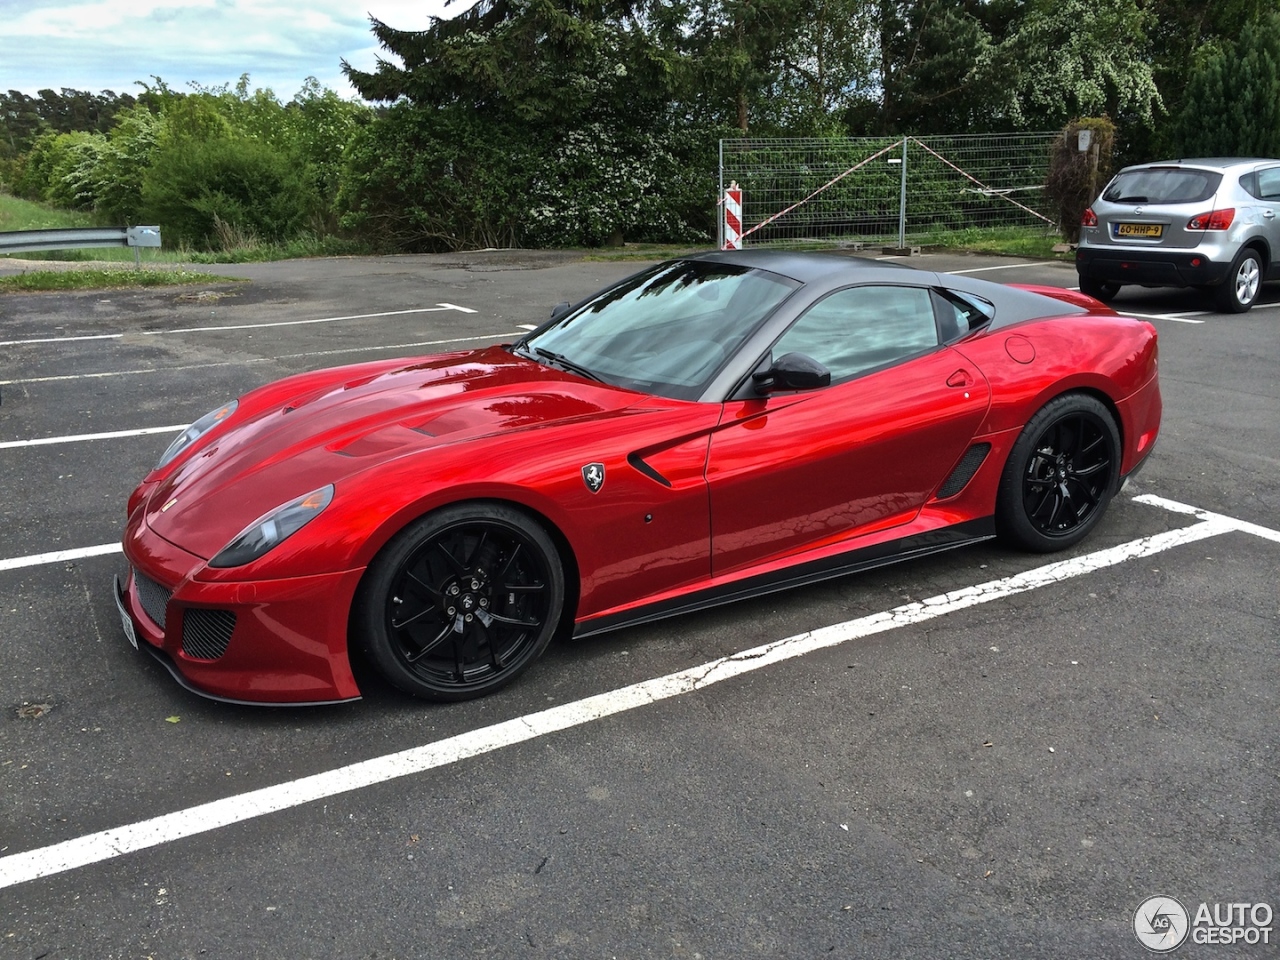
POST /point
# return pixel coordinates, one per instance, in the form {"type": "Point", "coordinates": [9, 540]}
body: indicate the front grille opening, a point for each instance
{"type": "Point", "coordinates": [964, 470]}
{"type": "Point", "coordinates": [153, 597]}
{"type": "Point", "coordinates": [206, 633]}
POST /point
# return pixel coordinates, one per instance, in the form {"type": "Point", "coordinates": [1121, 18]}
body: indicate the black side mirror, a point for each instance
{"type": "Point", "coordinates": [792, 371]}
{"type": "Point", "coordinates": [560, 309]}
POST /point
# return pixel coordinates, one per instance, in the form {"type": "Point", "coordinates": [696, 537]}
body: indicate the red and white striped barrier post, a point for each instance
{"type": "Point", "coordinates": [733, 217]}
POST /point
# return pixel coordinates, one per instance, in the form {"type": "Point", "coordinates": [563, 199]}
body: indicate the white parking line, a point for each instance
{"type": "Point", "coordinates": [1003, 266]}
{"type": "Point", "coordinates": [439, 307]}
{"type": "Point", "coordinates": [1175, 317]}
{"type": "Point", "coordinates": [95, 336]}
{"type": "Point", "coordinates": [107, 844]}
{"type": "Point", "coordinates": [250, 360]}
{"type": "Point", "coordinates": [58, 556]}
{"type": "Point", "coordinates": [1244, 526]}
{"type": "Point", "coordinates": [76, 438]}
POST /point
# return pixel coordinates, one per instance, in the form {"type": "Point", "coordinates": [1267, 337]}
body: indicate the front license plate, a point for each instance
{"type": "Point", "coordinates": [1139, 229]}
{"type": "Point", "coordinates": [127, 622]}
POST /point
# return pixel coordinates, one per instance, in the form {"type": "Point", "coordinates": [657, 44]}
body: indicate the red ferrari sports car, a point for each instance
{"type": "Point", "coordinates": [711, 428]}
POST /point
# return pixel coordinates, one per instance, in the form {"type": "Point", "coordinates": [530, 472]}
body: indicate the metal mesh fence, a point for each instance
{"type": "Point", "coordinates": [852, 189]}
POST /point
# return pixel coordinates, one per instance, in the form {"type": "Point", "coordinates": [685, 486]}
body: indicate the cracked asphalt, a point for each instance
{"type": "Point", "coordinates": [1006, 779]}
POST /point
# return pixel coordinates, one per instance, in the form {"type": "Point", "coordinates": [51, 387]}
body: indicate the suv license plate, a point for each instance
{"type": "Point", "coordinates": [1139, 229]}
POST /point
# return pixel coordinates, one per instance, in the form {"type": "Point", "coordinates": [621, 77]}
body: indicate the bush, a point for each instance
{"type": "Point", "coordinates": [254, 189]}
{"type": "Point", "coordinates": [431, 180]}
{"type": "Point", "coordinates": [1074, 180]}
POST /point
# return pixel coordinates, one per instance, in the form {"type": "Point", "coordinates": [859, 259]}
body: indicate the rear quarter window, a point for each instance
{"type": "Point", "coordinates": [1266, 184]}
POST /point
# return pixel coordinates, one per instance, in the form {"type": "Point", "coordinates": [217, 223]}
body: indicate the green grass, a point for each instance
{"type": "Point", "coordinates": [305, 246]}
{"type": "Point", "coordinates": [18, 214]}
{"type": "Point", "coordinates": [1030, 242]}
{"type": "Point", "coordinates": [104, 278]}
{"type": "Point", "coordinates": [1001, 241]}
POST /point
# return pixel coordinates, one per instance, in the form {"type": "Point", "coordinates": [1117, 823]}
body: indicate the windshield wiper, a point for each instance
{"type": "Point", "coordinates": [1130, 200]}
{"type": "Point", "coordinates": [565, 363]}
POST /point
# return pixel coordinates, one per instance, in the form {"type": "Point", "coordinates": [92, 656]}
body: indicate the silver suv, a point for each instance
{"type": "Point", "coordinates": [1209, 224]}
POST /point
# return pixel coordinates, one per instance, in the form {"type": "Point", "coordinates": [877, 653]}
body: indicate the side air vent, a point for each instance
{"type": "Point", "coordinates": [206, 633]}
{"type": "Point", "coordinates": [964, 470]}
{"type": "Point", "coordinates": [153, 597]}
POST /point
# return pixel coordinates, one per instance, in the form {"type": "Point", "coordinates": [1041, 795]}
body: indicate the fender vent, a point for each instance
{"type": "Point", "coordinates": [206, 633]}
{"type": "Point", "coordinates": [964, 470]}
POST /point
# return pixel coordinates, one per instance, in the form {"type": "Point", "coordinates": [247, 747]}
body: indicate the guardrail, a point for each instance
{"type": "Point", "coordinates": [24, 241]}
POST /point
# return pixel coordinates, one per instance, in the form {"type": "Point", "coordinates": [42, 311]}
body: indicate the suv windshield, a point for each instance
{"type": "Point", "coordinates": [667, 331]}
{"type": "Point", "coordinates": [1162, 185]}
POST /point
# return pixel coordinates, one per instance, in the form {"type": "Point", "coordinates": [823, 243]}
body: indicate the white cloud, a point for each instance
{"type": "Point", "coordinates": [110, 44]}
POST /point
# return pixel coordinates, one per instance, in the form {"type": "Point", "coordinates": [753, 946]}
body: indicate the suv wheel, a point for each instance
{"type": "Point", "coordinates": [1239, 291]}
{"type": "Point", "coordinates": [1099, 289]}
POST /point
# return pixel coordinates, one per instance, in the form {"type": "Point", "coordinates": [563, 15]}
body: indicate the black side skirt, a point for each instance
{"type": "Point", "coordinates": [815, 571]}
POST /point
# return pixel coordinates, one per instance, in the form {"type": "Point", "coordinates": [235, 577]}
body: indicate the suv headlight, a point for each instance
{"type": "Point", "coordinates": [269, 531]}
{"type": "Point", "coordinates": [196, 431]}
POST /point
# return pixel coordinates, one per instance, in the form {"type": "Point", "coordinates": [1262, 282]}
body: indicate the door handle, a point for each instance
{"type": "Point", "coordinates": [1269, 214]}
{"type": "Point", "coordinates": [960, 378]}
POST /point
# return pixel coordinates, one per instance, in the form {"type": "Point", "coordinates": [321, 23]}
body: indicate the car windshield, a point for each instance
{"type": "Point", "coordinates": [666, 331]}
{"type": "Point", "coordinates": [1162, 185]}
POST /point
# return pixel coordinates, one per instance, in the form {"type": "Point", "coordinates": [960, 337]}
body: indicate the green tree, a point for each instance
{"type": "Point", "coordinates": [1231, 106]}
{"type": "Point", "coordinates": [122, 165]}
{"type": "Point", "coordinates": [53, 170]}
{"type": "Point", "coordinates": [1081, 58]}
{"type": "Point", "coordinates": [518, 120]}
{"type": "Point", "coordinates": [941, 67]}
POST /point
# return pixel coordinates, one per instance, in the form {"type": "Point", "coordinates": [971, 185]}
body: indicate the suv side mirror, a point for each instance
{"type": "Point", "coordinates": [792, 371]}
{"type": "Point", "coordinates": [560, 309]}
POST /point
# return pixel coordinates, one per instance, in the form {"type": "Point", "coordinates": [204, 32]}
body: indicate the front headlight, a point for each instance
{"type": "Point", "coordinates": [196, 431]}
{"type": "Point", "coordinates": [269, 531]}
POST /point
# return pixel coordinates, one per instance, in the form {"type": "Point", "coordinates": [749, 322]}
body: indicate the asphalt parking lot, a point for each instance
{"type": "Point", "coordinates": [1004, 778]}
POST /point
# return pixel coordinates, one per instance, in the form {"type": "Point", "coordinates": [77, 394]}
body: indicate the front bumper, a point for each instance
{"type": "Point", "coordinates": [261, 642]}
{"type": "Point", "coordinates": [1153, 268]}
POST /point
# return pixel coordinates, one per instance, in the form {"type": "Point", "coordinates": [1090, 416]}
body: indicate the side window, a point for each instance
{"type": "Point", "coordinates": [860, 328]}
{"type": "Point", "coordinates": [1269, 184]}
{"type": "Point", "coordinates": [968, 310]}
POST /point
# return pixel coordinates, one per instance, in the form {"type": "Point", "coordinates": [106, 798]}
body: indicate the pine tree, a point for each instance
{"type": "Point", "coordinates": [1231, 106]}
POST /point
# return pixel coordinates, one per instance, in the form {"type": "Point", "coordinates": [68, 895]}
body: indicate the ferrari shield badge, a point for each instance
{"type": "Point", "coordinates": [593, 476]}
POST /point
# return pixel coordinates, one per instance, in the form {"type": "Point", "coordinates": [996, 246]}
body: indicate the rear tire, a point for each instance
{"type": "Point", "coordinates": [1240, 290]}
{"type": "Point", "coordinates": [1102, 290]}
{"type": "Point", "coordinates": [461, 601]}
{"type": "Point", "coordinates": [1060, 475]}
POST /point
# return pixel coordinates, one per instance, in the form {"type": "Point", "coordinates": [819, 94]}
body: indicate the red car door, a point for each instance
{"type": "Point", "coordinates": [796, 471]}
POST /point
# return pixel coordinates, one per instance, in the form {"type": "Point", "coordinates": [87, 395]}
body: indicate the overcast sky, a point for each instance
{"type": "Point", "coordinates": [108, 44]}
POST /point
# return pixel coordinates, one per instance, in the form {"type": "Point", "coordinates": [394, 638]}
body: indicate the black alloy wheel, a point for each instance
{"type": "Point", "coordinates": [460, 602]}
{"type": "Point", "coordinates": [1060, 475]}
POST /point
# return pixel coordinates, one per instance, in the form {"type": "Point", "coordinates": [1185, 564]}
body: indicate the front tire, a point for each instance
{"type": "Point", "coordinates": [1060, 475]}
{"type": "Point", "coordinates": [461, 602]}
{"type": "Point", "coordinates": [1243, 284]}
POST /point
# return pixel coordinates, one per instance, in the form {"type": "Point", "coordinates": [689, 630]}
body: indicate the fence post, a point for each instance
{"type": "Point", "coordinates": [719, 201]}
{"type": "Point", "coordinates": [902, 200]}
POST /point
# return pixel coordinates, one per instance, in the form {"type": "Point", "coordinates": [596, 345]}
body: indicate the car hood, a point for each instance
{"type": "Point", "coordinates": [332, 430]}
